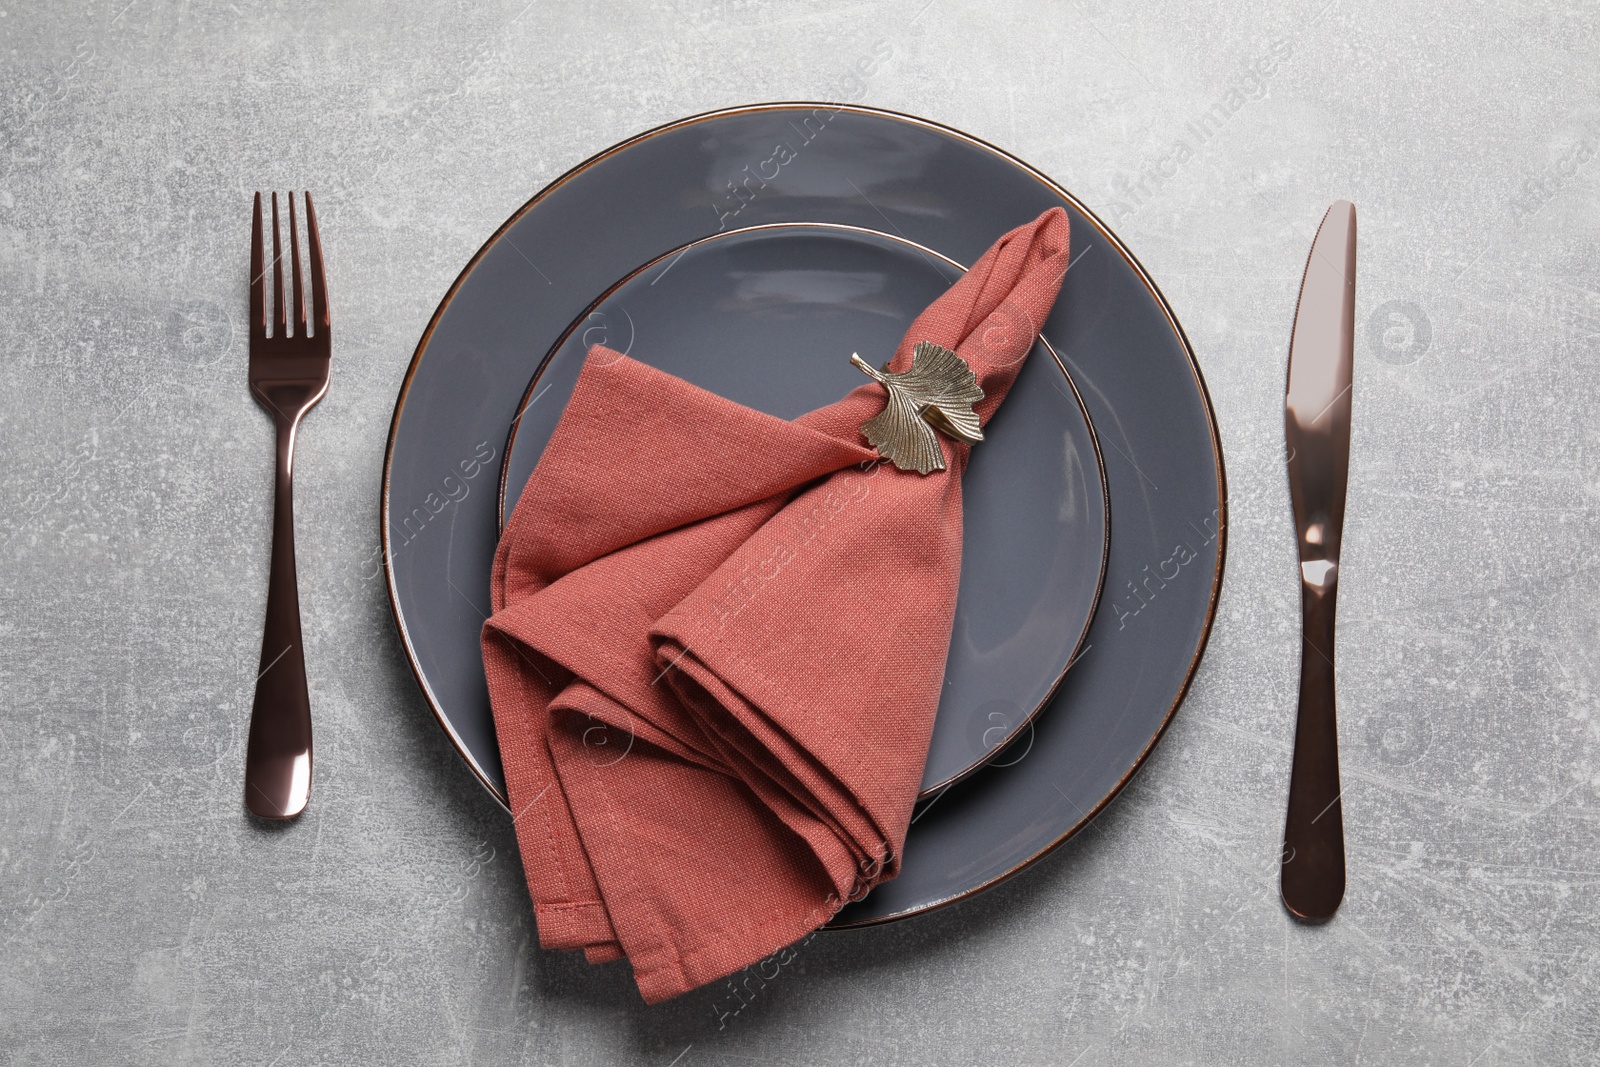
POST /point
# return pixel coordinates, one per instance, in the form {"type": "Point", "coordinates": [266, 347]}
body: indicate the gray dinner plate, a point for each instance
{"type": "Point", "coordinates": [768, 316]}
{"type": "Point", "coordinates": [908, 179]}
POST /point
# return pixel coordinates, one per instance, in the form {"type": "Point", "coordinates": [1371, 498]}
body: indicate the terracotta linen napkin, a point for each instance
{"type": "Point", "coordinates": [718, 643]}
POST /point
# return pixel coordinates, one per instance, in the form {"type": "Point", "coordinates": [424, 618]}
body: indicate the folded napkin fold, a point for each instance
{"type": "Point", "coordinates": [718, 643]}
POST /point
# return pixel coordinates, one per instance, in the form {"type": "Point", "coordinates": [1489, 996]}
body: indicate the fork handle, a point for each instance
{"type": "Point", "coordinates": [277, 775]}
{"type": "Point", "coordinates": [1313, 837]}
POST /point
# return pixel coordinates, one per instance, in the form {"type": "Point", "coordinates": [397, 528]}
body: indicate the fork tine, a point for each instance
{"type": "Point", "coordinates": [294, 272]}
{"type": "Point", "coordinates": [319, 283]}
{"type": "Point", "coordinates": [277, 273]}
{"type": "Point", "coordinates": [258, 281]}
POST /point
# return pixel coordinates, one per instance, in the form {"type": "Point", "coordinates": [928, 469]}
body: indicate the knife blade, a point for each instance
{"type": "Point", "coordinates": [1317, 429]}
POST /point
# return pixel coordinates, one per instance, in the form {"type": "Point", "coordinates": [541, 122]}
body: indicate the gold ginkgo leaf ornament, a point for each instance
{"type": "Point", "coordinates": [937, 392]}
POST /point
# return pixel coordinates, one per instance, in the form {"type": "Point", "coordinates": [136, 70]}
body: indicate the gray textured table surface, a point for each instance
{"type": "Point", "coordinates": [144, 919]}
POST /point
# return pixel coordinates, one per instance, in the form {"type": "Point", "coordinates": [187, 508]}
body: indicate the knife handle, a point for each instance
{"type": "Point", "coordinates": [1313, 836]}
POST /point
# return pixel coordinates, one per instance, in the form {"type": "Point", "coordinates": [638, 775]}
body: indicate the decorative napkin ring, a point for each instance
{"type": "Point", "coordinates": [936, 393]}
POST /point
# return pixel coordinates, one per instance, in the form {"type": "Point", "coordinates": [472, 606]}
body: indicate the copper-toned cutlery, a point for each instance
{"type": "Point", "coordinates": [288, 375]}
{"type": "Point", "coordinates": [1317, 425]}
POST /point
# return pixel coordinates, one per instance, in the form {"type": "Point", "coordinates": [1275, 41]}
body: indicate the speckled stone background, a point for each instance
{"type": "Point", "coordinates": [146, 920]}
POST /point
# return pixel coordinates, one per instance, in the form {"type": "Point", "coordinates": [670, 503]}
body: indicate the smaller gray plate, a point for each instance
{"type": "Point", "coordinates": [767, 316]}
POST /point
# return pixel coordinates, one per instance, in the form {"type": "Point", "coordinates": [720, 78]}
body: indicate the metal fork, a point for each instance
{"type": "Point", "coordinates": [288, 375]}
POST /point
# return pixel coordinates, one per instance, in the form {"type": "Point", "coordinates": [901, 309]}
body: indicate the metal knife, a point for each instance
{"type": "Point", "coordinates": [1317, 426]}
